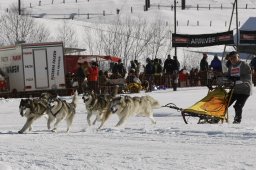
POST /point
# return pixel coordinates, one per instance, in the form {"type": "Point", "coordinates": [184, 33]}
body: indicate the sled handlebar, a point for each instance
{"type": "Point", "coordinates": [173, 106]}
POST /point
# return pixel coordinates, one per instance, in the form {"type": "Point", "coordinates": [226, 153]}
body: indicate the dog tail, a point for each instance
{"type": "Point", "coordinates": [154, 103]}
{"type": "Point", "coordinates": [75, 98]}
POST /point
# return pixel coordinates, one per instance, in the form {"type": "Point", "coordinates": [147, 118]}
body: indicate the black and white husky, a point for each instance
{"type": "Point", "coordinates": [33, 109]}
{"type": "Point", "coordinates": [60, 110]}
{"type": "Point", "coordinates": [54, 108]}
{"type": "Point", "coordinates": [98, 104]}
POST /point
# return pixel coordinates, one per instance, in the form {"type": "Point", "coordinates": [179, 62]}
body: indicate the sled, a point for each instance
{"type": "Point", "coordinates": [213, 108]}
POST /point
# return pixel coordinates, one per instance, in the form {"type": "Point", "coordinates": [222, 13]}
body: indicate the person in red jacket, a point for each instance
{"type": "Point", "coordinates": [93, 75]}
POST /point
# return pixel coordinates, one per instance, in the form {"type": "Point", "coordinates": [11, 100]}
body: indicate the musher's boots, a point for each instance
{"type": "Point", "coordinates": [237, 120]}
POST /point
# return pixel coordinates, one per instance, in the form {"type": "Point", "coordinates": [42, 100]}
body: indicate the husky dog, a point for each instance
{"type": "Point", "coordinates": [61, 109]}
{"type": "Point", "coordinates": [33, 109]}
{"type": "Point", "coordinates": [97, 104]}
{"type": "Point", "coordinates": [125, 106]}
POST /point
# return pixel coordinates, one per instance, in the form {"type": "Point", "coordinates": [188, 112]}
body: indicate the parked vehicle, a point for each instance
{"type": "Point", "coordinates": [30, 69]}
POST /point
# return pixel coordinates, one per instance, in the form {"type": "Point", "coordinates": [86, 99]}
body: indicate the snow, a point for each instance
{"type": "Point", "coordinates": [138, 144]}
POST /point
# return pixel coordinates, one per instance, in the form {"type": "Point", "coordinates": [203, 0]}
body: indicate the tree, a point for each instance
{"type": "Point", "coordinates": [130, 39]}
{"type": "Point", "coordinates": [15, 28]}
{"type": "Point", "coordinates": [160, 34]}
{"type": "Point", "coordinates": [190, 60]}
{"type": "Point", "coordinates": [67, 35]}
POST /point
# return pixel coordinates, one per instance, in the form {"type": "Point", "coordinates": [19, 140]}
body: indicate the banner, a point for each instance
{"type": "Point", "coordinates": [202, 40]}
{"type": "Point", "coordinates": [247, 37]}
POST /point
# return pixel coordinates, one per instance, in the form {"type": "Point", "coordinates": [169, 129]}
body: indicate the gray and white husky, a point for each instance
{"type": "Point", "coordinates": [98, 104]}
{"type": "Point", "coordinates": [55, 109]}
{"type": "Point", "coordinates": [60, 110]}
{"type": "Point", "coordinates": [126, 106]}
{"type": "Point", "coordinates": [33, 109]}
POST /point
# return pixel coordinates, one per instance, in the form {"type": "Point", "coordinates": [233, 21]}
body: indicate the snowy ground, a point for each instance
{"type": "Point", "coordinates": [170, 144]}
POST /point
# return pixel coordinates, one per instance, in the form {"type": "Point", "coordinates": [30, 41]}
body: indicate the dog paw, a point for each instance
{"type": "Point", "coordinates": [20, 132]}
{"type": "Point", "coordinates": [54, 130]}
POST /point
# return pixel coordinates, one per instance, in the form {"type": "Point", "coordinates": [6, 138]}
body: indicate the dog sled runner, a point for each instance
{"type": "Point", "coordinates": [213, 108]}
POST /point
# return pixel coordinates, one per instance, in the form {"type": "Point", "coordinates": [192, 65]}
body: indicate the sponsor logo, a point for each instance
{"type": "Point", "coordinates": [17, 57]}
{"type": "Point", "coordinates": [12, 69]}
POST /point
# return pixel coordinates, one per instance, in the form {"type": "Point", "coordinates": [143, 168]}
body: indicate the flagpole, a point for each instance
{"type": "Point", "coordinates": [19, 6]}
{"type": "Point", "coordinates": [237, 30]}
{"type": "Point", "coordinates": [175, 22]}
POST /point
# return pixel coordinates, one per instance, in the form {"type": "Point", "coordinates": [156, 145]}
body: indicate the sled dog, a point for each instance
{"type": "Point", "coordinates": [61, 109]}
{"type": "Point", "coordinates": [33, 109]}
{"type": "Point", "coordinates": [125, 106]}
{"type": "Point", "coordinates": [97, 104]}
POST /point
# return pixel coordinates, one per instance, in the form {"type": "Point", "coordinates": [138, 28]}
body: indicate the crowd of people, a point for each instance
{"type": "Point", "coordinates": [155, 74]}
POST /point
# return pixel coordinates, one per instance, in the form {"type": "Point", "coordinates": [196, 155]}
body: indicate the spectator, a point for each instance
{"type": "Point", "coordinates": [132, 65]}
{"type": "Point", "coordinates": [192, 77]}
{"type": "Point", "coordinates": [80, 76]}
{"type": "Point", "coordinates": [103, 82]}
{"type": "Point", "coordinates": [203, 69]}
{"type": "Point", "coordinates": [175, 75]}
{"type": "Point", "coordinates": [149, 71]}
{"type": "Point", "coordinates": [115, 68]}
{"type": "Point", "coordinates": [133, 82]}
{"type": "Point", "coordinates": [137, 67]}
{"type": "Point", "coordinates": [203, 63]}
{"type": "Point", "coordinates": [183, 77]}
{"type": "Point", "coordinates": [93, 75]}
{"type": "Point", "coordinates": [253, 66]}
{"type": "Point", "coordinates": [168, 70]}
{"type": "Point", "coordinates": [157, 71]}
{"type": "Point", "coordinates": [241, 72]}
{"type": "Point", "coordinates": [197, 78]}
{"type": "Point", "coordinates": [216, 65]}
{"type": "Point", "coordinates": [121, 69]}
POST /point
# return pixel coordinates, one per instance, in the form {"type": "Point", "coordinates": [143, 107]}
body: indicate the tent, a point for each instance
{"type": "Point", "coordinates": [71, 61]}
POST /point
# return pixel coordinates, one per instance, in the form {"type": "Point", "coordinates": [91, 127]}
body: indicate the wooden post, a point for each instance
{"type": "Point", "coordinates": [197, 7]}
{"type": "Point", "coordinates": [188, 23]}
{"type": "Point", "coordinates": [103, 13]}
{"type": "Point", "coordinates": [209, 6]}
{"type": "Point", "coordinates": [131, 10]}
{"type": "Point", "coordinates": [88, 16]}
{"type": "Point", "coordinates": [197, 23]}
{"type": "Point", "coordinates": [52, 1]}
{"type": "Point", "coordinates": [39, 3]}
{"type": "Point", "coordinates": [221, 7]}
{"type": "Point", "coordinates": [210, 23]}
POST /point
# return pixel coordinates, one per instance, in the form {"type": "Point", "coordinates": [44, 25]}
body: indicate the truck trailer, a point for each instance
{"type": "Point", "coordinates": [30, 69]}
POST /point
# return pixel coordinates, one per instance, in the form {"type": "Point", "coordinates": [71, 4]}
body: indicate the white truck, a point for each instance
{"type": "Point", "coordinates": [33, 67]}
